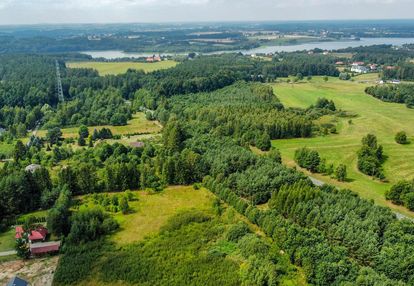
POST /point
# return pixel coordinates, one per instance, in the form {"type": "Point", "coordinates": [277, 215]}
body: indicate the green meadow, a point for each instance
{"type": "Point", "coordinates": [373, 116]}
{"type": "Point", "coordinates": [113, 68]}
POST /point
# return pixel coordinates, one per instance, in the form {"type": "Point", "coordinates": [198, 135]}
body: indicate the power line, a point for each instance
{"type": "Point", "coordinates": [59, 88]}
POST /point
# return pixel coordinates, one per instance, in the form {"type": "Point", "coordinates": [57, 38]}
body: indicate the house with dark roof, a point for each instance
{"type": "Point", "coordinates": [16, 281]}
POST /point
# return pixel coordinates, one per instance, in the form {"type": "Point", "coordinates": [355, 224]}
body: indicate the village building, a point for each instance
{"type": "Point", "coordinates": [32, 168]}
{"type": "Point", "coordinates": [154, 58]}
{"type": "Point", "coordinates": [37, 235]}
{"type": "Point", "coordinates": [44, 248]}
{"type": "Point", "coordinates": [358, 68]}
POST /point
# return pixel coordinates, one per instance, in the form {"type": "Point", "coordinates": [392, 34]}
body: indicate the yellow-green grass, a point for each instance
{"type": "Point", "coordinates": [138, 124]}
{"type": "Point", "coordinates": [7, 240]}
{"type": "Point", "coordinates": [113, 68]}
{"type": "Point", "coordinates": [374, 116]}
{"type": "Point", "coordinates": [6, 148]}
{"type": "Point", "coordinates": [151, 211]}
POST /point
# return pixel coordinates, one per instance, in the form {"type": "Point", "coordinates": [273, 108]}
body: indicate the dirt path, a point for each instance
{"type": "Point", "coordinates": [7, 253]}
{"type": "Point", "coordinates": [38, 272]}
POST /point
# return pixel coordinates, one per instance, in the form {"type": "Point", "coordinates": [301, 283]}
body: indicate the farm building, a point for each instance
{"type": "Point", "coordinates": [358, 69]}
{"type": "Point", "coordinates": [32, 168]}
{"type": "Point", "coordinates": [45, 247]}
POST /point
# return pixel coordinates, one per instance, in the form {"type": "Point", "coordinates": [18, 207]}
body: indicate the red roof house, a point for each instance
{"type": "Point", "coordinates": [39, 234]}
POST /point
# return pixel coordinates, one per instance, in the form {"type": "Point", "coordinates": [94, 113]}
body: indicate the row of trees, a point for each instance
{"type": "Point", "coordinates": [330, 249]}
{"type": "Point", "coordinates": [311, 161]}
{"type": "Point", "coordinates": [402, 93]}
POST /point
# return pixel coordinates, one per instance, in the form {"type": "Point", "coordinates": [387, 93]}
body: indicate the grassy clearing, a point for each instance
{"type": "Point", "coordinates": [374, 116]}
{"type": "Point", "coordinates": [113, 68]}
{"type": "Point", "coordinates": [138, 124]}
{"type": "Point", "coordinates": [6, 148]}
{"type": "Point", "coordinates": [152, 211]}
{"type": "Point", "coordinates": [160, 243]}
{"type": "Point", "coordinates": [7, 240]}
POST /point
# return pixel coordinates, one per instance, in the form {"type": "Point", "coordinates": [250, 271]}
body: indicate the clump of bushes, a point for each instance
{"type": "Point", "coordinates": [402, 193]}
{"type": "Point", "coordinates": [370, 157]}
{"type": "Point", "coordinates": [308, 159]}
{"type": "Point", "coordinates": [185, 218]}
{"type": "Point", "coordinates": [89, 224]}
{"type": "Point", "coordinates": [237, 231]}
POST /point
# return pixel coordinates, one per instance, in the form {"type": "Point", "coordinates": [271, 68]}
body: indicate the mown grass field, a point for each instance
{"type": "Point", "coordinates": [374, 116]}
{"type": "Point", "coordinates": [151, 211]}
{"type": "Point", "coordinates": [114, 68]}
{"type": "Point", "coordinates": [138, 124]}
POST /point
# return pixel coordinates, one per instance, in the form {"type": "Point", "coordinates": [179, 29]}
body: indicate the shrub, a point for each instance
{"type": "Point", "coordinates": [340, 173]}
{"type": "Point", "coordinates": [89, 224]}
{"type": "Point", "coordinates": [237, 231]}
{"type": "Point", "coordinates": [401, 138]}
{"type": "Point", "coordinates": [251, 244]}
{"type": "Point", "coordinates": [185, 218]}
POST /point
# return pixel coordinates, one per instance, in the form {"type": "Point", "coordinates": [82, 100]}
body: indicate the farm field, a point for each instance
{"type": "Point", "coordinates": [138, 124]}
{"type": "Point", "coordinates": [374, 116]}
{"type": "Point", "coordinates": [114, 68]}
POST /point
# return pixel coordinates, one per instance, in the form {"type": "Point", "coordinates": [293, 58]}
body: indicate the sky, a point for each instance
{"type": "Point", "coordinates": [137, 11]}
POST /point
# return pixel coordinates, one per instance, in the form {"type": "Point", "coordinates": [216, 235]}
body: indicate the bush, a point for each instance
{"type": "Point", "coordinates": [398, 191]}
{"type": "Point", "coordinates": [89, 224]}
{"type": "Point", "coordinates": [401, 138]}
{"type": "Point", "coordinates": [344, 76]}
{"type": "Point", "coordinates": [340, 173]}
{"type": "Point", "coordinates": [237, 231]}
{"type": "Point", "coordinates": [251, 244]}
{"type": "Point", "coordinates": [185, 218]}
{"type": "Point", "coordinates": [308, 159]}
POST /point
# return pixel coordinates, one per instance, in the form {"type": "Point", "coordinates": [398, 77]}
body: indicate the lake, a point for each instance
{"type": "Point", "coordinates": [334, 45]}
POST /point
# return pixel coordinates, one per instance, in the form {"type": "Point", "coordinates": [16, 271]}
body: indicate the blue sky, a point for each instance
{"type": "Point", "coordinates": [107, 11]}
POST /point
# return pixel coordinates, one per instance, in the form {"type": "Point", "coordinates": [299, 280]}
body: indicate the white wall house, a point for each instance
{"type": "Point", "coordinates": [359, 69]}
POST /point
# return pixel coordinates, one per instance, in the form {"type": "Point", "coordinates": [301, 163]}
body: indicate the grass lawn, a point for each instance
{"type": "Point", "coordinates": [107, 68]}
{"type": "Point", "coordinates": [7, 240]}
{"type": "Point", "coordinates": [152, 211]}
{"type": "Point", "coordinates": [6, 148]}
{"type": "Point", "coordinates": [138, 124]}
{"type": "Point", "coordinates": [374, 116]}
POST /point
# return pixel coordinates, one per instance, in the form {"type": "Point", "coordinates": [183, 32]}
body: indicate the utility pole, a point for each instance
{"type": "Point", "coordinates": [59, 88]}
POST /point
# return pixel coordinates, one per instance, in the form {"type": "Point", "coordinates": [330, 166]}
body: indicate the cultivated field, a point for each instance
{"type": "Point", "coordinates": [374, 116]}
{"type": "Point", "coordinates": [138, 124]}
{"type": "Point", "coordinates": [107, 68]}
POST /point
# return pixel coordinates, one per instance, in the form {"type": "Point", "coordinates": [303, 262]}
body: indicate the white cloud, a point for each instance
{"type": "Point", "coordinates": [35, 11]}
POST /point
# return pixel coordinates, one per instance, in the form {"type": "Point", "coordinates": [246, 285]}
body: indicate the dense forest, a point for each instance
{"type": "Point", "coordinates": [380, 54]}
{"type": "Point", "coordinates": [214, 110]}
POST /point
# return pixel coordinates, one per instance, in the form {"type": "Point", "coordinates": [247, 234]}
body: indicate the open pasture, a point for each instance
{"type": "Point", "coordinates": [374, 116]}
